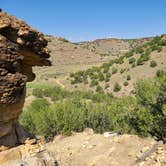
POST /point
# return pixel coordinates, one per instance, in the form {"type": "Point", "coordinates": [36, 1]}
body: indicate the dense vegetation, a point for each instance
{"type": "Point", "coordinates": [64, 112]}
{"type": "Point", "coordinates": [103, 73]}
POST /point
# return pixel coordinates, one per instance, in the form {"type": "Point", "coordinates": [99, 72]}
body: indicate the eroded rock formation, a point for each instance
{"type": "Point", "coordinates": [21, 47]}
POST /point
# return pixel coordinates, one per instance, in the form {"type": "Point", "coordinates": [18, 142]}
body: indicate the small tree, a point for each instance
{"type": "Point", "coordinates": [117, 87]}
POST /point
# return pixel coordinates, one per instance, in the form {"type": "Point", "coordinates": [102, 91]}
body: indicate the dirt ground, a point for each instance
{"type": "Point", "coordinates": [89, 149]}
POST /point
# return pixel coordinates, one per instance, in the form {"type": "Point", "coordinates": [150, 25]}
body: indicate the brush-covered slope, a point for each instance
{"type": "Point", "coordinates": [120, 75]}
{"type": "Point", "coordinates": [111, 46]}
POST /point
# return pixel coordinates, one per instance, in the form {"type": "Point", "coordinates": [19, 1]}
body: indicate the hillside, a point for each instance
{"type": "Point", "coordinates": [111, 46]}
{"type": "Point", "coordinates": [78, 58]}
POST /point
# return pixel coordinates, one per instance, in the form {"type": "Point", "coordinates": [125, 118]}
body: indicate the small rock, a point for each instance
{"type": "Point", "coordinates": [110, 134]}
{"type": "Point", "coordinates": [3, 148]}
{"type": "Point", "coordinates": [88, 131]}
{"type": "Point", "coordinates": [30, 141]}
{"type": "Point", "coordinates": [144, 149]}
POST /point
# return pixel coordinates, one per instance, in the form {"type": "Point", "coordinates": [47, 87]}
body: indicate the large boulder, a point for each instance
{"type": "Point", "coordinates": [21, 48]}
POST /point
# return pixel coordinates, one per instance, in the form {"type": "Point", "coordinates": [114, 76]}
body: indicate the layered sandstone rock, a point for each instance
{"type": "Point", "coordinates": [21, 47]}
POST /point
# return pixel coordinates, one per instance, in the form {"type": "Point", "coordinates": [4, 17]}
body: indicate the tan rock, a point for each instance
{"type": "Point", "coordinates": [21, 48]}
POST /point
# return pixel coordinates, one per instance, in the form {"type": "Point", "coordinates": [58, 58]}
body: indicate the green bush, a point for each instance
{"type": "Point", "coordinates": [153, 63]}
{"type": "Point", "coordinates": [125, 83]}
{"type": "Point", "coordinates": [101, 76]}
{"type": "Point", "coordinates": [122, 70]}
{"type": "Point", "coordinates": [94, 83]}
{"type": "Point", "coordinates": [99, 89]}
{"type": "Point", "coordinates": [114, 70]}
{"type": "Point", "coordinates": [128, 77]}
{"type": "Point", "coordinates": [160, 73]}
{"type": "Point", "coordinates": [117, 87]}
{"type": "Point", "coordinates": [129, 54]}
{"type": "Point", "coordinates": [132, 60]}
{"type": "Point", "coordinates": [139, 50]}
{"type": "Point", "coordinates": [143, 58]}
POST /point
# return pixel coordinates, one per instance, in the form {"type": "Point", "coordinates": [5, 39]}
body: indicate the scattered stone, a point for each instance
{"type": "Point", "coordinates": [110, 134]}
{"type": "Point", "coordinates": [88, 131]}
{"type": "Point", "coordinates": [30, 141]}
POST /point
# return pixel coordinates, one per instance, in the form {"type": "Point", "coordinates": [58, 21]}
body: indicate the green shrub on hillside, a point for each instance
{"type": "Point", "coordinates": [160, 73]}
{"type": "Point", "coordinates": [117, 87]}
{"type": "Point", "coordinates": [125, 83]}
{"type": "Point", "coordinates": [101, 76]}
{"type": "Point", "coordinates": [99, 89]}
{"type": "Point", "coordinates": [153, 63]}
{"type": "Point", "coordinates": [122, 70]}
{"type": "Point", "coordinates": [128, 77]}
{"type": "Point", "coordinates": [94, 83]}
{"type": "Point", "coordinates": [114, 70]}
{"type": "Point", "coordinates": [132, 60]}
{"type": "Point", "coordinates": [139, 50]}
{"type": "Point", "coordinates": [129, 54]}
{"type": "Point", "coordinates": [142, 59]}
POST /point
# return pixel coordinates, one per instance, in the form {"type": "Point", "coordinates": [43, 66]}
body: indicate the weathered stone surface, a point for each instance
{"type": "Point", "coordinates": [27, 155]}
{"type": "Point", "coordinates": [21, 48]}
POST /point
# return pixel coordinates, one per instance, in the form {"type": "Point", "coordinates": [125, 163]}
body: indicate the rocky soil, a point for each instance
{"type": "Point", "coordinates": [88, 149]}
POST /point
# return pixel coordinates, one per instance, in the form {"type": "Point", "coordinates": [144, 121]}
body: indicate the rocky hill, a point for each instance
{"type": "Point", "coordinates": [111, 46]}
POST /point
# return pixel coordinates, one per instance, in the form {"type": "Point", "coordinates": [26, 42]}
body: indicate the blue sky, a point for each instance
{"type": "Point", "coordinates": [80, 20]}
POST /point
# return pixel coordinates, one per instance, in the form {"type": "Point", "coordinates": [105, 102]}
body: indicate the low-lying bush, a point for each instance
{"type": "Point", "coordinates": [153, 63]}
{"type": "Point", "coordinates": [117, 87]}
{"type": "Point", "coordinates": [125, 83]}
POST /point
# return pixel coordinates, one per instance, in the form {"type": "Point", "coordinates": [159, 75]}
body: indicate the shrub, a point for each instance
{"type": "Point", "coordinates": [139, 50]}
{"type": "Point", "coordinates": [99, 89]}
{"type": "Point", "coordinates": [122, 70]}
{"type": "Point", "coordinates": [153, 63]}
{"type": "Point", "coordinates": [117, 87]}
{"type": "Point", "coordinates": [160, 73]}
{"type": "Point", "coordinates": [142, 59]}
{"type": "Point", "coordinates": [129, 54]}
{"type": "Point", "coordinates": [128, 77]}
{"type": "Point", "coordinates": [108, 75]}
{"type": "Point", "coordinates": [107, 79]}
{"type": "Point", "coordinates": [125, 83]}
{"type": "Point", "coordinates": [100, 76]}
{"type": "Point", "coordinates": [114, 70]}
{"type": "Point", "coordinates": [94, 83]}
{"type": "Point", "coordinates": [132, 60]}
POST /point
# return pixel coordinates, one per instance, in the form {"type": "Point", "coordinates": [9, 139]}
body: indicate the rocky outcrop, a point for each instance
{"type": "Point", "coordinates": [21, 48]}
